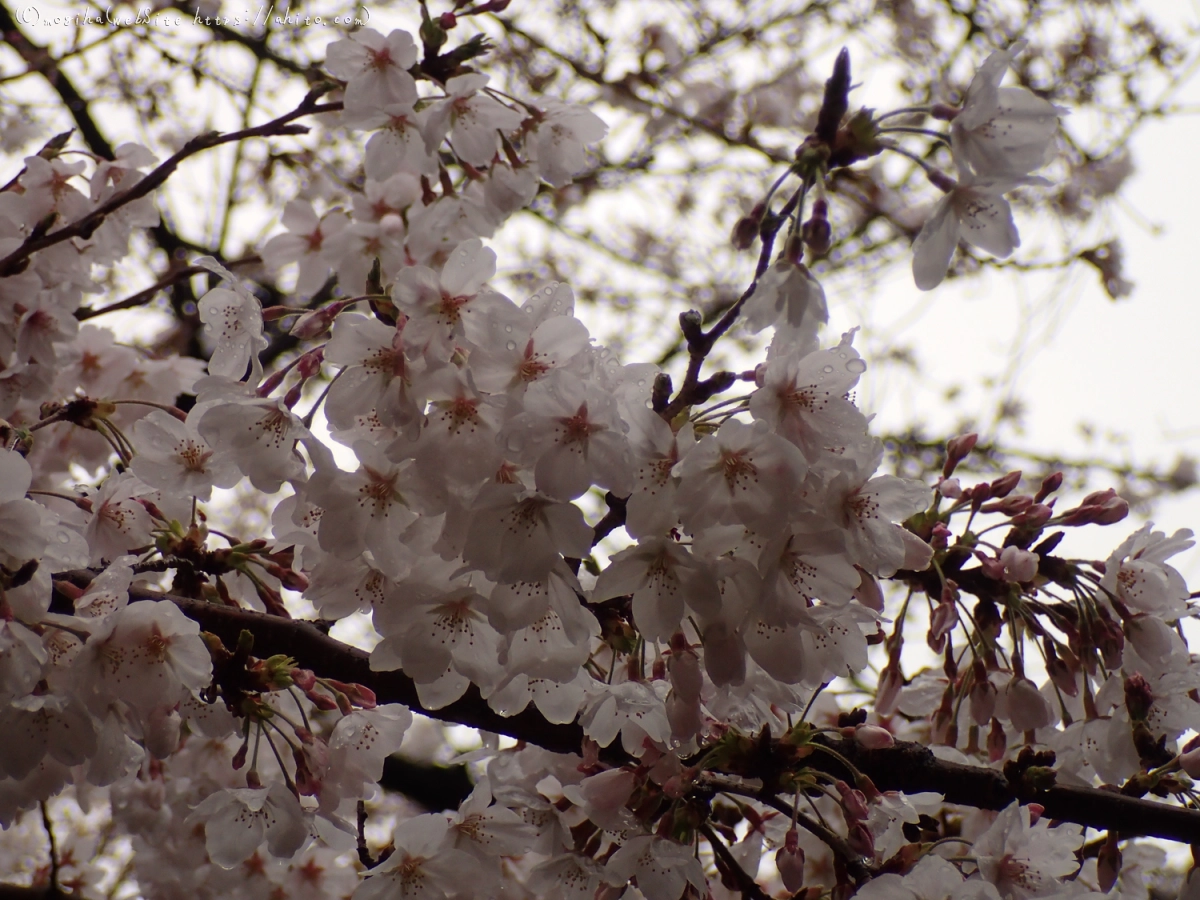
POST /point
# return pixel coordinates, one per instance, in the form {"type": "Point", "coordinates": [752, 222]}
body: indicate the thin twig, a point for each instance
{"type": "Point", "coordinates": [48, 825]}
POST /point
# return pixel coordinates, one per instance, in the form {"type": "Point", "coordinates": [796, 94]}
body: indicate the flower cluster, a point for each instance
{"type": "Point", "coordinates": [478, 438]}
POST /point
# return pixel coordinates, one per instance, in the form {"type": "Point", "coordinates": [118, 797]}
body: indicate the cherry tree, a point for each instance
{"type": "Point", "coordinates": [671, 601]}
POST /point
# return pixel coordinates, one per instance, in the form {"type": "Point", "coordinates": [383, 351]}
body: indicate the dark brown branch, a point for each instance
{"type": "Point", "coordinates": [907, 766]}
{"type": "Point", "coordinates": [746, 883]}
{"type": "Point", "coordinates": [853, 861]}
{"type": "Point", "coordinates": [85, 227]}
{"type": "Point", "coordinates": [145, 296]}
{"type": "Point", "coordinates": [40, 60]}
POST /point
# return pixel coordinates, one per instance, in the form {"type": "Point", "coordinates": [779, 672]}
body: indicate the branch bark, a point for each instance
{"type": "Point", "coordinates": [909, 767]}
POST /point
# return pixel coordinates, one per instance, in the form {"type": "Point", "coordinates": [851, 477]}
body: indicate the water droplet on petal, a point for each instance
{"type": "Point", "coordinates": [857, 366]}
{"type": "Point", "coordinates": [828, 370]}
{"type": "Point", "coordinates": [511, 345]}
{"type": "Point", "coordinates": [508, 329]}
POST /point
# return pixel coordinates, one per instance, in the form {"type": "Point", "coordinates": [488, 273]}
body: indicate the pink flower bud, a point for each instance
{"type": "Point", "coordinates": [1004, 485]}
{"type": "Point", "coordinates": [1060, 672]}
{"type": "Point", "coordinates": [1009, 506]}
{"type": "Point", "coordinates": [890, 683]}
{"type": "Point", "coordinates": [997, 742]}
{"type": "Point", "coordinates": [941, 623]}
{"type": "Point", "coordinates": [854, 802]}
{"type": "Point", "coordinates": [951, 488]}
{"type": "Point", "coordinates": [957, 449]}
{"type": "Point", "coordinates": [1019, 566]}
{"type": "Point", "coordinates": [790, 863]}
{"type": "Point", "coordinates": [1034, 517]}
{"type": "Point", "coordinates": [861, 840]}
{"type": "Point", "coordinates": [745, 231]}
{"type": "Point", "coordinates": [1139, 697]}
{"type": "Point", "coordinates": [1098, 508]}
{"type": "Point", "coordinates": [1036, 810]}
{"type": "Point", "coordinates": [874, 737]}
{"type": "Point", "coordinates": [309, 364]}
{"type": "Point", "coordinates": [1050, 484]}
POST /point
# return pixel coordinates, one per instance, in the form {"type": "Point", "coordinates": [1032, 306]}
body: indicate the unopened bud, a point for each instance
{"type": "Point", "coordinates": [447, 20]}
{"type": "Point", "coordinates": [873, 737]}
{"type": "Point", "coordinates": [292, 580]}
{"type": "Point", "coordinates": [1050, 484]}
{"type": "Point", "coordinates": [997, 742]}
{"type": "Point", "coordinates": [1060, 672]}
{"type": "Point", "coordinates": [950, 488]}
{"type": "Point", "coordinates": [1009, 506]}
{"type": "Point", "coordinates": [944, 112]}
{"type": "Point", "coordinates": [1098, 508]}
{"type": "Point", "coordinates": [1139, 697]}
{"type": "Point", "coordinates": [1034, 517]}
{"type": "Point", "coordinates": [939, 537]}
{"type": "Point", "coordinates": [789, 860]}
{"type": "Point", "coordinates": [890, 683]}
{"type": "Point", "coordinates": [309, 364]}
{"type": "Point", "coordinates": [793, 250]}
{"type": "Point", "coordinates": [982, 701]}
{"type": "Point", "coordinates": [745, 230]}
{"type": "Point", "coordinates": [315, 323]}
{"type": "Point", "coordinates": [355, 693]}
{"type": "Point", "coordinates": [816, 232]}
{"type": "Point", "coordinates": [861, 840]}
{"type": "Point", "coordinates": [1004, 485]}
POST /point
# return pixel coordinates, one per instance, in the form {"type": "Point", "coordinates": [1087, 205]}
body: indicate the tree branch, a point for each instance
{"type": "Point", "coordinates": [85, 227]}
{"type": "Point", "coordinates": [746, 883]}
{"type": "Point", "coordinates": [909, 767]}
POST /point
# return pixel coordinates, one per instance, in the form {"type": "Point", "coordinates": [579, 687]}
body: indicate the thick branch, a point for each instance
{"type": "Point", "coordinates": [907, 766]}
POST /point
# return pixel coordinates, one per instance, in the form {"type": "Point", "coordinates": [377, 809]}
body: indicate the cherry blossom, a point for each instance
{"type": "Point", "coordinates": [1023, 860]}
{"type": "Point", "coordinates": [146, 654]}
{"type": "Point", "coordinates": [974, 209]}
{"type": "Point", "coordinates": [1003, 131]}
{"type": "Point", "coordinates": [237, 820]}
{"type": "Point", "coordinates": [471, 119]}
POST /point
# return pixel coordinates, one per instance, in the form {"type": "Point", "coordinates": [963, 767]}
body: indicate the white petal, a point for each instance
{"type": "Point", "coordinates": [934, 246]}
